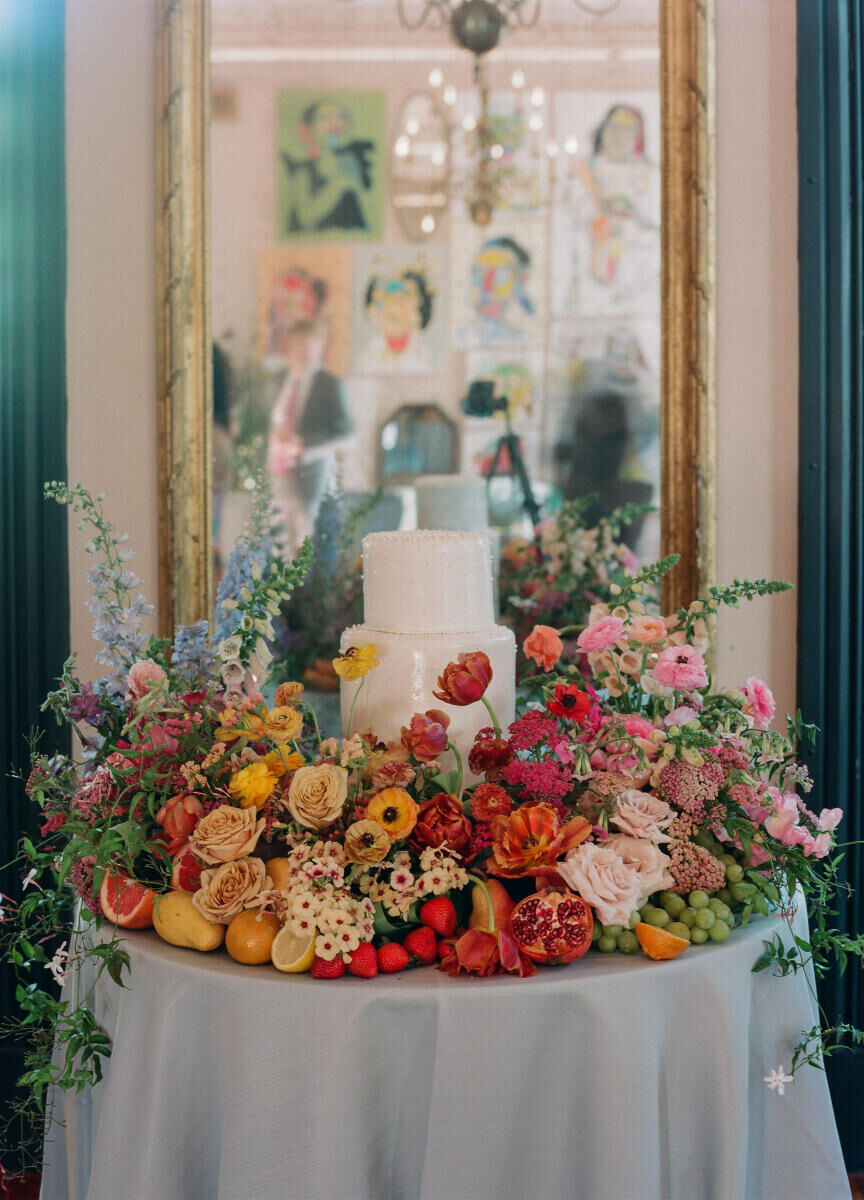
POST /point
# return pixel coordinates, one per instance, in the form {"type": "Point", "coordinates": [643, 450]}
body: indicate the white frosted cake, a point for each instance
{"type": "Point", "coordinates": [427, 597]}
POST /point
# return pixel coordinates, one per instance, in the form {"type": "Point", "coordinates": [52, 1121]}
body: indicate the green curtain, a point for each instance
{"type": "Point", "coordinates": [831, 554]}
{"type": "Point", "coordinates": [34, 594]}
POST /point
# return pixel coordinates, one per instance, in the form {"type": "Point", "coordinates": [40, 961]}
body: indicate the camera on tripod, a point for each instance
{"type": "Point", "coordinates": [481, 400]}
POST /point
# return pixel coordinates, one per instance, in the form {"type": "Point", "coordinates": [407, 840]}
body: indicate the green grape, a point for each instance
{"type": "Point", "coordinates": [698, 899]}
{"type": "Point", "coordinates": [607, 944]}
{"type": "Point", "coordinates": [721, 910]}
{"type": "Point", "coordinates": [734, 872]}
{"type": "Point", "coordinates": [704, 839]}
{"type": "Point", "coordinates": [645, 910]}
{"type": "Point", "coordinates": [719, 931]}
{"type": "Point", "coordinates": [659, 918]}
{"type": "Point", "coordinates": [687, 916]}
{"type": "Point", "coordinates": [635, 918]}
{"type": "Point", "coordinates": [612, 930]}
{"type": "Point", "coordinates": [726, 896]}
{"type": "Point", "coordinates": [628, 941]}
{"type": "Point", "coordinates": [726, 858]}
{"type": "Point", "coordinates": [698, 936]}
{"type": "Point", "coordinates": [679, 929]}
{"type": "Point", "coordinates": [705, 918]}
{"type": "Point", "coordinates": [673, 904]}
{"type": "Point", "coordinates": [596, 932]}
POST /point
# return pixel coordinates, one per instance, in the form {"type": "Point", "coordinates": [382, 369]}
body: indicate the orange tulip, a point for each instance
{"type": "Point", "coordinates": [531, 840]}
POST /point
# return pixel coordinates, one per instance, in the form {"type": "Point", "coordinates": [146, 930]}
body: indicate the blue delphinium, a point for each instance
{"type": "Point", "coordinates": [193, 657]}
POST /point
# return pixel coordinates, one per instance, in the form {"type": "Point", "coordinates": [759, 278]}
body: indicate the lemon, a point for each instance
{"type": "Point", "coordinates": [293, 952]}
{"type": "Point", "coordinates": [250, 936]}
{"type": "Point", "coordinates": [278, 869]}
{"type": "Point", "coordinates": [178, 921]}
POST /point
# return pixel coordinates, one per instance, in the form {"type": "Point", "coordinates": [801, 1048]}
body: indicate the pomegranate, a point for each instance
{"type": "Point", "coordinates": [552, 926]}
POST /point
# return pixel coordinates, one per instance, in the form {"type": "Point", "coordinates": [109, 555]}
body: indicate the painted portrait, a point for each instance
{"type": "Point", "coordinates": [302, 284]}
{"type": "Point", "coordinates": [398, 319]}
{"type": "Point", "coordinates": [498, 296]}
{"type": "Point", "coordinates": [331, 157]}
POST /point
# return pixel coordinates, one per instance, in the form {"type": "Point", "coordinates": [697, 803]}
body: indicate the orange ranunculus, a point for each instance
{"type": "Point", "coordinates": [395, 810]}
{"type": "Point", "coordinates": [464, 681]}
{"type": "Point", "coordinates": [426, 736]}
{"type": "Point", "coordinates": [543, 645]}
{"type": "Point", "coordinates": [178, 818]}
{"type": "Point", "coordinates": [531, 840]}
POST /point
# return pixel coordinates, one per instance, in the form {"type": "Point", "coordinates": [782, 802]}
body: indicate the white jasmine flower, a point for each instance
{"type": "Point", "coordinates": [777, 1080]}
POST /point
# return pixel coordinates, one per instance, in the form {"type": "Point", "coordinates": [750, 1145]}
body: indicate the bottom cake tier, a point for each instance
{"type": "Point", "coordinates": [403, 683]}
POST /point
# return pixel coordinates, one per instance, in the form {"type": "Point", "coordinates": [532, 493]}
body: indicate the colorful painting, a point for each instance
{"type": "Point", "coordinates": [518, 166]}
{"type": "Point", "coordinates": [498, 296]}
{"type": "Point", "coordinates": [305, 285]}
{"type": "Point", "coordinates": [398, 325]}
{"type": "Point", "coordinates": [331, 165]}
{"type": "Point", "coordinates": [608, 227]}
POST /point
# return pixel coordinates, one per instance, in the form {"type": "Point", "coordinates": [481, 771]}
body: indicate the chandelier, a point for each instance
{"type": "Point", "coordinates": [475, 25]}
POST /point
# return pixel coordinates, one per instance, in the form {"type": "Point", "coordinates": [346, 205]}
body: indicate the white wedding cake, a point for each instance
{"type": "Point", "coordinates": [427, 597]}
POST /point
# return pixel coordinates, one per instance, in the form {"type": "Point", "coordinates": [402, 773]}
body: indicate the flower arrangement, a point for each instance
{"type": "Point", "coordinates": [554, 579]}
{"type": "Point", "coordinates": [630, 808]}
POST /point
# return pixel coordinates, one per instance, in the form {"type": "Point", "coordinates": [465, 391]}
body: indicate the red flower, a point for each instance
{"type": "Point", "coordinates": [178, 818]}
{"type": "Point", "coordinates": [489, 800]}
{"type": "Point", "coordinates": [426, 736]}
{"type": "Point", "coordinates": [531, 840]}
{"type": "Point", "coordinates": [569, 703]}
{"type": "Point", "coordinates": [441, 821]}
{"type": "Point", "coordinates": [465, 681]}
{"type": "Point", "coordinates": [482, 953]}
{"type": "Point", "coordinates": [489, 755]}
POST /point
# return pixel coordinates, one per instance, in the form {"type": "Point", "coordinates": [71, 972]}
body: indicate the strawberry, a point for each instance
{"type": "Point", "coordinates": [364, 961]}
{"type": "Point", "coordinates": [392, 957]}
{"type": "Point", "coordinates": [423, 944]}
{"type": "Point", "coordinates": [444, 947]}
{"type": "Point", "coordinates": [439, 914]}
{"type": "Point", "coordinates": [327, 968]}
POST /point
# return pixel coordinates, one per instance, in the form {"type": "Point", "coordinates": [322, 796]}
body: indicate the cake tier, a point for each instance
{"type": "Point", "coordinates": [408, 672]}
{"type": "Point", "coordinates": [452, 502]}
{"type": "Point", "coordinates": [427, 580]}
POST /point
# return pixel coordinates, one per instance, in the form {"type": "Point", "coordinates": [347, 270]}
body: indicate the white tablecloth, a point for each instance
{"type": "Point", "coordinates": [615, 1077]}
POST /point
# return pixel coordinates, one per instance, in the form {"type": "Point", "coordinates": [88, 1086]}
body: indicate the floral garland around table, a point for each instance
{"type": "Point", "coordinates": [630, 808]}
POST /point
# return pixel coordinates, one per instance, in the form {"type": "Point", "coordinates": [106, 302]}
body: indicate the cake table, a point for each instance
{"type": "Point", "coordinates": [611, 1078]}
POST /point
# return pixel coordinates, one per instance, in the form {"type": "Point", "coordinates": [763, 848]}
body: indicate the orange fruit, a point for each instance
{"type": "Point", "coordinates": [659, 944]}
{"type": "Point", "coordinates": [125, 902]}
{"type": "Point", "coordinates": [278, 869]}
{"type": "Point", "coordinates": [250, 936]}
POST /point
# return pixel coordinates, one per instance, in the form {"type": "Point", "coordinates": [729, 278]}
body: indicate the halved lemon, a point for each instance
{"type": "Point", "coordinates": [293, 952]}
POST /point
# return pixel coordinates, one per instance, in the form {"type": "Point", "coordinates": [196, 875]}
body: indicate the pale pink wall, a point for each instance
{"type": "Point", "coordinates": [757, 333]}
{"type": "Point", "coordinates": [110, 63]}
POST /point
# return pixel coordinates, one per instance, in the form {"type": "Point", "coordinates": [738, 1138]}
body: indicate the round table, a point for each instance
{"type": "Point", "coordinates": [614, 1077]}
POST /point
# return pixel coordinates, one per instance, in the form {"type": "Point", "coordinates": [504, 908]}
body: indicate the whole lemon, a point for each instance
{"type": "Point", "coordinates": [278, 869]}
{"type": "Point", "coordinates": [250, 936]}
{"type": "Point", "coordinates": [178, 921]}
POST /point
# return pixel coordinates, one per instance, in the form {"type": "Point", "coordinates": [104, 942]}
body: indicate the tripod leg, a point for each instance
{"type": "Point", "coordinates": [518, 463]}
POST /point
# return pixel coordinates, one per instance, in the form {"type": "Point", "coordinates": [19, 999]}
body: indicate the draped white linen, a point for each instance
{"type": "Point", "coordinates": [613, 1078]}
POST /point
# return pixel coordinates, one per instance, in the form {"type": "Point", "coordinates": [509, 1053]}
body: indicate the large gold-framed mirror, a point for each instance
{"type": "Point", "coordinates": [687, 286]}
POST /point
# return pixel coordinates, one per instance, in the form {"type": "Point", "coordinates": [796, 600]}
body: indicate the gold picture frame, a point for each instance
{"type": "Point", "coordinates": [184, 365]}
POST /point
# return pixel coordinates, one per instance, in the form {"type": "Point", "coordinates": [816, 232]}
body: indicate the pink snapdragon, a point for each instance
{"type": "Point", "coordinates": [680, 668]}
{"type": "Point", "coordinates": [759, 702]}
{"type": "Point", "coordinates": [600, 635]}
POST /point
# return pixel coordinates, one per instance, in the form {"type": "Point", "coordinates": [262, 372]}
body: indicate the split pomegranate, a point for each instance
{"type": "Point", "coordinates": [552, 926]}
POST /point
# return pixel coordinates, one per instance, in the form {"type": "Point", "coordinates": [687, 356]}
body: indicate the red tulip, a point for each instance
{"type": "Point", "coordinates": [465, 681]}
{"type": "Point", "coordinates": [426, 736]}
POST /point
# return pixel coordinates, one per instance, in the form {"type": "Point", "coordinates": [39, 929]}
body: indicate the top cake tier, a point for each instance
{"type": "Point", "coordinates": [427, 581]}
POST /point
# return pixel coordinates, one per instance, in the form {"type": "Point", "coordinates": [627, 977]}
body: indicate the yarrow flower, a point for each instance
{"type": "Point", "coordinates": [694, 868]}
{"type": "Point", "coordinates": [691, 789]}
{"type": "Point", "coordinates": [532, 728]}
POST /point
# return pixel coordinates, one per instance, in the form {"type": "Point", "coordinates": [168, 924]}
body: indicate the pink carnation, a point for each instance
{"type": "Point", "coordinates": [680, 668]}
{"type": "Point", "coordinates": [601, 635]}
{"type": "Point", "coordinates": [760, 702]}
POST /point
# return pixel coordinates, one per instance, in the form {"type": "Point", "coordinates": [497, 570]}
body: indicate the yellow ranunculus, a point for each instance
{"type": "Point", "coordinates": [283, 724]}
{"type": "Point", "coordinates": [253, 785]}
{"type": "Point", "coordinates": [249, 728]}
{"type": "Point", "coordinates": [279, 763]}
{"type": "Point", "coordinates": [395, 811]}
{"type": "Point", "coordinates": [356, 661]}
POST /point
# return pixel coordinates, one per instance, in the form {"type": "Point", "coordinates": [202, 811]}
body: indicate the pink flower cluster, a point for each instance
{"type": "Point", "coordinates": [692, 789]}
{"type": "Point", "coordinates": [693, 867]}
{"type": "Point", "coordinates": [542, 781]}
{"type": "Point", "coordinates": [532, 728]}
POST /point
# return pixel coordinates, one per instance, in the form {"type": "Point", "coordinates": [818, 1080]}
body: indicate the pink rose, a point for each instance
{"type": "Point", "coordinates": [829, 818]}
{"type": "Point", "coordinates": [604, 880]}
{"type": "Point", "coordinates": [599, 637]}
{"type": "Point", "coordinates": [680, 668]}
{"type": "Point", "coordinates": [142, 676]}
{"type": "Point", "coordinates": [642, 815]}
{"type": "Point", "coordinates": [647, 859]}
{"type": "Point", "coordinates": [759, 702]}
{"type": "Point", "coordinates": [648, 631]}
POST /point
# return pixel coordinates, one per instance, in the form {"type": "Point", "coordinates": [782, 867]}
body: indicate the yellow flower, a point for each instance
{"type": "Point", "coordinates": [249, 728]}
{"type": "Point", "coordinates": [356, 661]}
{"type": "Point", "coordinates": [366, 842]}
{"type": "Point", "coordinates": [253, 785]}
{"type": "Point", "coordinates": [395, 811]}
{"type": "Point", "coordinates": [283, 724]}
{"type": "Point", "coordinates": [279, 763]}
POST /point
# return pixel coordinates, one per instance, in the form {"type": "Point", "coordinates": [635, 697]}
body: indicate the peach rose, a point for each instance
{"type": "Point", "coordinates": [317, 793]}
{"type": "Point", "coordinates": [602, 878]}
{"type": "Point", "coordinates": [648, 631]}
{"type": "Point", "coordinates": [227, 890]}
{"type": "Point", "coordinates": [226, 834]}
{"type": "Point", "coordinates": [142, 676]}
{"type": "Point", "coordinates": [647, 859]}
{"type": "Point", "coordinates": [642, 815]}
